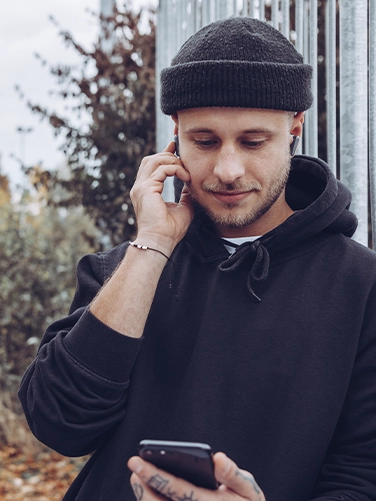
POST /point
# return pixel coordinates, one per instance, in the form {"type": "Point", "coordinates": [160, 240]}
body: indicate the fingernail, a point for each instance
{"type": "Point", "coordinates": [226, 465]}
{"type": "Point", "coordinates": [135, 465]}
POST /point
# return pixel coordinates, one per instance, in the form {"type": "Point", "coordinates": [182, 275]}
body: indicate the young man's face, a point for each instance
{"type": "Point", "coordinates": [239, 161]}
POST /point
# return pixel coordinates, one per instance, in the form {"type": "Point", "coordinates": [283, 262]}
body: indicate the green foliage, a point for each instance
{"type": "Point", "coordinates": [39, 250]}
{"type": "Point", "coordinates": [113, 89]}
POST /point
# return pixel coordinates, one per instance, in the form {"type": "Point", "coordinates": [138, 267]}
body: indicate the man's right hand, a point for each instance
{"type": "Point", "coordinates": [160, 224]}
{"type": "Point", "coordinates": [124, 301]}
{"type": "Point", "coordinates": [149, 483]}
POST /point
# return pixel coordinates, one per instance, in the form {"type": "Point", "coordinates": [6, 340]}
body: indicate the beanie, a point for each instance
{"type": "Point", "coordinates": [237, 62]}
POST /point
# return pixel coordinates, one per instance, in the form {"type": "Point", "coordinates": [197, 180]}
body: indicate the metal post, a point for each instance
{"type": "Point", "coordinates": [164, 52]}
{"type": "Point", "coordinates": [262, 10]}
{"type": "Point", "coordinates": [222, 9]}
{"type": "Point", "coordinates": [275, 13]}
{"type": "Point", "coordinates": [313, 116]}
{"type": "Point", "coordinates": [372, 116]}
{"type": "Point", "coordinates": [299, 25]}
{"type": "Point", "coordinates": [190, 18]}
{"type": "Point", "coordinates": [353, 108]}
{"type": "Point", "coordinates": [252, 9]}
{"type": "Point", "coordinates": [234, 7]}
{"type": "Point", "coordinates": [245, 8]}
{"type": "Point", "coordinates": [198, 15]}
{"type": "Point", "coordinates": [286, 18]}
{"type": "Point", "coordinates": [299, 30]}
{"type": "Point", "coordinates": [307, 124]}
{"type": "Point", "coordinates": [331, 84]}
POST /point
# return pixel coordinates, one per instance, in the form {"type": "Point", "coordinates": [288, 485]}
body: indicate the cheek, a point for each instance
{"type": "Point", "coordinates": [196, 177]}
{"type": "Point", "coordinates": [195, 166]}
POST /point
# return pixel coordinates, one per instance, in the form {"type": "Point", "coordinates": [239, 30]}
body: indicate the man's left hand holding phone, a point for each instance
{"type": "Point", "coordinates": [150, 483]}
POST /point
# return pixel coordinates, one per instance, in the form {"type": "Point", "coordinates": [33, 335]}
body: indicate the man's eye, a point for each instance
{"type": "Point", "coordinates": [205, 143]}
{"type": "Point", "coordinates": [253, 144]}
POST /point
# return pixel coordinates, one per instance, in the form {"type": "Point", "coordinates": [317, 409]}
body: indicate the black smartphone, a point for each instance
{"type": "Point", "coordinates": [176, 141]}
{"type": "Point", "coordinates": [189, 460]}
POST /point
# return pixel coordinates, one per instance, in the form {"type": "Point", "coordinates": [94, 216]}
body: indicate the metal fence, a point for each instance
{"type": "Point", "coordinates": [349, 88]}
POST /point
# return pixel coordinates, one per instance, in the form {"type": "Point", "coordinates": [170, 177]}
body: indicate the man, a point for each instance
{"type": "Point", "coordinates": [242, 316]}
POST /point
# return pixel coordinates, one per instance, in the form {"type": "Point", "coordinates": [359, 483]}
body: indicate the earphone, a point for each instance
{"type": "Point", "coordinates": [294, 145]}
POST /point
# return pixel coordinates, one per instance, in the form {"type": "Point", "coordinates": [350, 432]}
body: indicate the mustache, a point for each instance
{"type": "Point", "coordinates": [237, 186]}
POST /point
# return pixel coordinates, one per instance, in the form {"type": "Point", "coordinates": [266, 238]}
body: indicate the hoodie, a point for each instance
{"type": "Point", "coordinates": [267, 355]}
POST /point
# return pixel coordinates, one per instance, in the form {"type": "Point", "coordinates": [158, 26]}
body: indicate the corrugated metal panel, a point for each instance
{"type": "Point", "coordinates": [177, 17]}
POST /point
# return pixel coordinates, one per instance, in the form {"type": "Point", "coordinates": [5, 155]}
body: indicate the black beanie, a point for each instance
{"type": "Point", "coordinates": [238, 62]}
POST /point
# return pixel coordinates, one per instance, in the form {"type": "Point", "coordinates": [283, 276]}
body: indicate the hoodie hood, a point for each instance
{"type": "Point", "coordinates": [321, 203]}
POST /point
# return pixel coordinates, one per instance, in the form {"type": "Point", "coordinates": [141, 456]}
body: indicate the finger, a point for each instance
{"type": "Point", "coordinates": [239, 481]}
{"type": "Point", "coordinates": [170, 170]}
{"type": "Point", "coordinates": [154, 182]}
{"type": "Point", "coordinates": [166, 484]}
{"type": "Point", "coordinates": [186, 200]}
{"type": "Point", "coordinates": [142, 491]}
{"type": "Point", "coordinates": [170, 147]}
{"type": "Point", "coordinates": [152, 163]}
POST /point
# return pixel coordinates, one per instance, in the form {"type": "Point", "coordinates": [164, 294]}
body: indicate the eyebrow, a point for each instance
{"type": "Point", "coordinates": [195, 130]}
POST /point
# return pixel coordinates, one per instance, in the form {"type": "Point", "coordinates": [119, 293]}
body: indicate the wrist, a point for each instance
{"type": "Point", "coordinates": [147, 247]}
{"type": "Point", "coordinates": [162, 244]}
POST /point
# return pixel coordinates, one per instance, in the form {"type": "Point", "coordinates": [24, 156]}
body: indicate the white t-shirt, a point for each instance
{"type": "Point", "coordinates": [236, 242]}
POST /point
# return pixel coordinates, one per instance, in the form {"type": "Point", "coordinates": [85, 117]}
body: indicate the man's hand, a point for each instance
{"type": "Point", "coordinates": [149, 483]}
{"type": "Point", "coordinates": [159, 223]}
{"type": "Point", "coordinates": [124, 301]}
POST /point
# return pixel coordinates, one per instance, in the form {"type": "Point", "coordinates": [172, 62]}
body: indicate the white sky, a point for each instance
{"type": "Point", "coordinates": [25, 29]}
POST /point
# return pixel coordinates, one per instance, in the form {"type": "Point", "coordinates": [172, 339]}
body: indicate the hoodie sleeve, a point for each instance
{"type": "Point", "coordinates": [75, 391]}
{"type": "Point", "coordinates": [348, 472]}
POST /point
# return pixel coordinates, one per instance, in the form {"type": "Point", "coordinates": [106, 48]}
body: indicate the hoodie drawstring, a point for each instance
{"type": "Point", "coordinates": [260, 268]}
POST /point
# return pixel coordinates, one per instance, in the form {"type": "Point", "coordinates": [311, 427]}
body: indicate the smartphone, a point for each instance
{"type": "Point", "coordinates": [189, 460]}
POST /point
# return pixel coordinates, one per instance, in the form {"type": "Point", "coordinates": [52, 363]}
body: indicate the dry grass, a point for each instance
{"type": "Point", "coordinates": [14, 430]}
{"type": "Point", "coordinates": [29, 470]}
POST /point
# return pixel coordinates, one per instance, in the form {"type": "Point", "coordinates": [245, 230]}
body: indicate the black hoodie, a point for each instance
{"type": "Point", "coordinates": [268, 355]}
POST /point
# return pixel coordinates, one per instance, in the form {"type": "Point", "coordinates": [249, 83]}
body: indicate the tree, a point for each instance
{"type": "Point", "coordinates": [115, 90]}
{"type": "Point", "coordinates": [40, 246]}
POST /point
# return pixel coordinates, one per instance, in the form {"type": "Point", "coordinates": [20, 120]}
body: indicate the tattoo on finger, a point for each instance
{"type": "Point", "coordinates": [170, 494]}
{"type": "Point", "coordinates": [189, 497]}
{"type": "Point", "coordinates": [157, 482]}
{"type": "Point", "coordinates": [249, 478]}
{"type": "Point", "coordinates": [138, 491]}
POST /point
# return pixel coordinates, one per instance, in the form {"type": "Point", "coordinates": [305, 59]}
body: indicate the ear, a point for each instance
{"type": "Point", "coordinates": [296, 128]}
{"type": "Point", "coordinates": [176, 120]}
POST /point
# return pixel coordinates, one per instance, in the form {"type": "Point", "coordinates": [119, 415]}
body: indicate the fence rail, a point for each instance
{"type": "Point", "coordinates": [348, 61]}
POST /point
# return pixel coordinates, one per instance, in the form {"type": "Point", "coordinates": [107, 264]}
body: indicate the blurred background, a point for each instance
{"type": "Point", "coordinates": [77, 113]}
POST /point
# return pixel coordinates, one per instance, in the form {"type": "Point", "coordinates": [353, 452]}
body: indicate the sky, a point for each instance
{"type": "Point", "coordinates": [25, 29]}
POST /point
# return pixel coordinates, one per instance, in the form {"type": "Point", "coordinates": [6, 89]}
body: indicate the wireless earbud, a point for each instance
{"type": "Point", "coordinates": [294, 145]}
{"type": "Point", "coordinates": [176, 141]}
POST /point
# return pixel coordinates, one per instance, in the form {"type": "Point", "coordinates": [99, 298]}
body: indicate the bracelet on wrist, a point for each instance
{"type": "Point", "coordinates": [146, 247]}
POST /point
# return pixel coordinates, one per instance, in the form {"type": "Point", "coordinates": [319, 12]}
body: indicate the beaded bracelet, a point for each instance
{"type": "Point", "coordinates": [145, 247]}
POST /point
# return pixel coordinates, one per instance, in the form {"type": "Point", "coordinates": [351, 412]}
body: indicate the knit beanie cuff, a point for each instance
{"type": "Point", "coordinates": [243, 84]}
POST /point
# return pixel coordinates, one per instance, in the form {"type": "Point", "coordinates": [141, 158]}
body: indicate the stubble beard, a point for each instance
{"type": "Point", "coordinates": [234, 215]}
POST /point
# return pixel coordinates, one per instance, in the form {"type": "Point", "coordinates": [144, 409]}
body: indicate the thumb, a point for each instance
{"type": "Point", "coordinates": [241, 482]}
{"type": "Point", "coordinates": [186, 200]}
{"type": "Point", "coordinates": [170, 147]}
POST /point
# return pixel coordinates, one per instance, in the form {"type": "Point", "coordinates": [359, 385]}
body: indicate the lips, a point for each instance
{"type": "Point", "coordinates": [231, 197]}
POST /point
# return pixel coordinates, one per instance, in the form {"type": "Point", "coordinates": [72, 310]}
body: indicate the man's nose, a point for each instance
{"type": "Point", "coordinates": [228, 165]}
